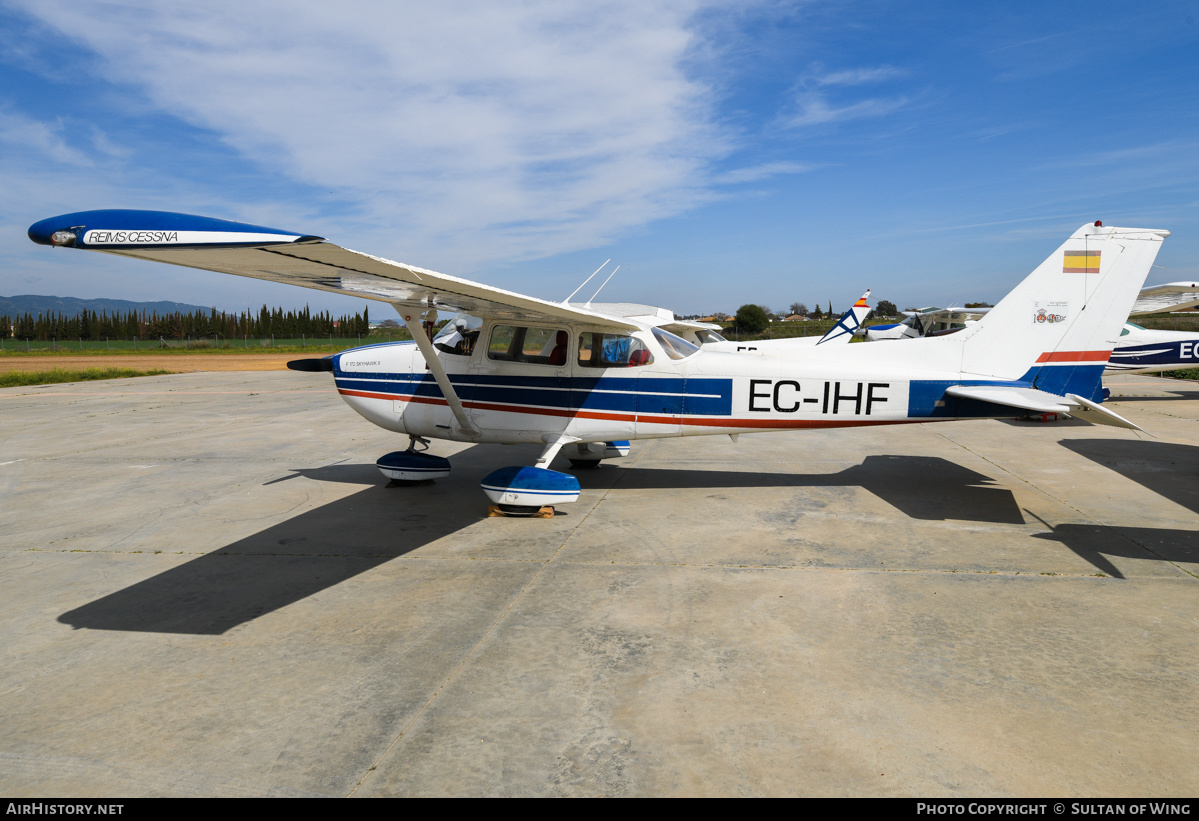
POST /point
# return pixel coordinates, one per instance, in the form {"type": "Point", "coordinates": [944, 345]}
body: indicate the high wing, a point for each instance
{"type": "Point", "coordinates": [663, 318]}
{"type": "Point", "coordinates": [296, 259]}
{"type": "Point", "coordinates": [1173, 296]}
{"type": "Point", "coordinates": [950, 315]}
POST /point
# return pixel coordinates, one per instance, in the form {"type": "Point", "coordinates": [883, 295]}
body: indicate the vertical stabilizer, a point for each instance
{"type": "Point", "coordinates": [851, 320]}
{"type": "Point", "coordinates": [1058, 327]}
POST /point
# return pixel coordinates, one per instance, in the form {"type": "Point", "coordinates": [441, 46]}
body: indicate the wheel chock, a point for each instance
{"type": "Point", "coordinates": [521, 511]}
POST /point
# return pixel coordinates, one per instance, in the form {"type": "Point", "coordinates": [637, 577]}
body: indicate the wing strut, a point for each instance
{"type": "Point", "coordinates": [412, 321]}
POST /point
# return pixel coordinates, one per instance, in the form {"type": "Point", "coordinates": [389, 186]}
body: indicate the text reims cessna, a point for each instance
{"type": "Point", "coordinates": [584, 379]}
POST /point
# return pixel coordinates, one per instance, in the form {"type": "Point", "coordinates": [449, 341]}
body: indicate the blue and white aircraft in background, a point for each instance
{"type": "Point", "coordinates": [582, 380]}
{"type": "Point", "coordinates": [1143, 350]}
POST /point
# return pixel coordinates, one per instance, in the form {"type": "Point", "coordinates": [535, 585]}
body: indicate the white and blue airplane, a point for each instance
{"type": "Point", "coordinates": [583, 380]}
{"type": "Point", "coordinates": [1145, 350]}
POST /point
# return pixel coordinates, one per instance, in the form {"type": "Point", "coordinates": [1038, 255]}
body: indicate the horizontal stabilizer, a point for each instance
{"type": "Point", "coordinates": [1029, 399]}
{"type": "Point", "coordinates": [1035, 401]}
{"type": "Point", "coordinates": [1096, 414]}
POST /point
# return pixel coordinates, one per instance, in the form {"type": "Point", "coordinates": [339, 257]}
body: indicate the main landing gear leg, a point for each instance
{"type": "Point", "coordinates": [406, 468]}
{"type": "Point", "coordinates": [531, 491]}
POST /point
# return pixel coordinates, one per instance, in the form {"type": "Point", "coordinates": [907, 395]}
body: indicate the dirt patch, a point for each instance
{"type": "Point", "coordinates": [176, 363]}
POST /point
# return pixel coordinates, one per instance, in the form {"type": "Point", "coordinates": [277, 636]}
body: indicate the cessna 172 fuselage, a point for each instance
{"type": "Point", "coordinates": [587, 378]}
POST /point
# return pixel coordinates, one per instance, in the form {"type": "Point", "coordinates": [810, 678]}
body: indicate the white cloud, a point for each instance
{"type": "Point", "coordinates": [755, 173]}
{"type": "Point", "coordinates": [510, 131]}
{"type": "Point", "coordinates": [815, 110]}
{"type": "Point", "coordinates": [856, 76]}
{"type": "Point", "coordinates": [812, 105]}
{"type": "Point", "coordinates": [27, 134]}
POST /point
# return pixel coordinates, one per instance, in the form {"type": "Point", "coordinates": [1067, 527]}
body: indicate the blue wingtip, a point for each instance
{"type": "Point", "coordinates": [40, 231]}
{"type": "Point", "coordinates": [132, 222]}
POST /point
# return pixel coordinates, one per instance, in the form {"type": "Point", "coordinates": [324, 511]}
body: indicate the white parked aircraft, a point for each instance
{"type": "Point", "coordinates": [1139, 350]}
{"type": "Point", "coordinates": [925, 322]}
{"type": "Point", "coordinates": [584, 379]}
{"type": "Point", "coordinates": [840, 334]}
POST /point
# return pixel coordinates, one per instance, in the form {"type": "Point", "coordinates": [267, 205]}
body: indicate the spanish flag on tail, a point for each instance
{"type": "Point", "coordinates": [1081, 262]}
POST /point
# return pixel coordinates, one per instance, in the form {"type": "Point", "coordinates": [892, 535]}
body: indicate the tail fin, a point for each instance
{"type": "Point", "coordinates": [851, 320]}
{"type": "Point", "coordinates": [1058, 327]}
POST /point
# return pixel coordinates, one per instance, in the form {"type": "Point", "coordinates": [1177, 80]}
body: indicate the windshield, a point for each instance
{"type": "Point", "coordinates": [709, 336]}
{"type": "Point", "coordinates": [675, 346]}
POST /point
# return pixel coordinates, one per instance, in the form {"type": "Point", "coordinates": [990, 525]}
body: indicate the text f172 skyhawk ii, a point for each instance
{"type": "Point", "coordinates": [585, 379]}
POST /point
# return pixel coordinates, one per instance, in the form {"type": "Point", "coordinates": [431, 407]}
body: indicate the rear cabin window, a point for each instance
{"type": "Point", "coordinates": [599, 350]}
{"type": "Point", "coordinates": [537, 346]}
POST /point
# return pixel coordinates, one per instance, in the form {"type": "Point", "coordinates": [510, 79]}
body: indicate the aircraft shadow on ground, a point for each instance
{"type": "Point", "coordinates": [1167, 469]}
{"type": "Point", "coordinates": [323, 547]}
{"type": "Point", "coordinates": [922, 487]}
{"type": "Point", "coordinates": [293, 559]}
{"type": "Point", "coordinates": [1095, 543]}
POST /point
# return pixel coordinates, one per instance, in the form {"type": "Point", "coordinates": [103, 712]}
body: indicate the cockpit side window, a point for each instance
{"type": "Point", "coordinates": [459, 336]}
{"type": "Point", "coordinates": [603, 350]}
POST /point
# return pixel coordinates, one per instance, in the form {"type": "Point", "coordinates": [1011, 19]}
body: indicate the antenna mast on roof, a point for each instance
{"type": "Point", "coordinates": [600, 288]}
{"type": "Point", "coordinates": [576, 290]}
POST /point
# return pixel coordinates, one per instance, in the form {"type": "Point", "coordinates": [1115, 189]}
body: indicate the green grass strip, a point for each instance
{"type": "Point", "coordinates": [1189, 373]}
{"type": "Point", "coordinates": [14, 379]}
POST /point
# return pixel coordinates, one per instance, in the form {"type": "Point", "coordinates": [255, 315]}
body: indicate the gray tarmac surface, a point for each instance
{"type": "Point", "coordinates": [206, 589]}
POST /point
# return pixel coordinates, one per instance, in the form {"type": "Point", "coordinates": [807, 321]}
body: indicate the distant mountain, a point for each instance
{"type": "Point", "coordinates": [70, 306]}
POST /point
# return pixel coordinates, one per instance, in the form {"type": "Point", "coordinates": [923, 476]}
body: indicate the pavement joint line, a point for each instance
{"type": "Point", "coordinates": [254, 392]}
{"type": "Point", "coordinates": [579, 563]}
{"type": "Point", "coordinates": [465, 658]}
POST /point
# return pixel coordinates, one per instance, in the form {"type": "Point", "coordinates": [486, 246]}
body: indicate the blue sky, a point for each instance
{"type": "Point", "coordinates": [768, 153]}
